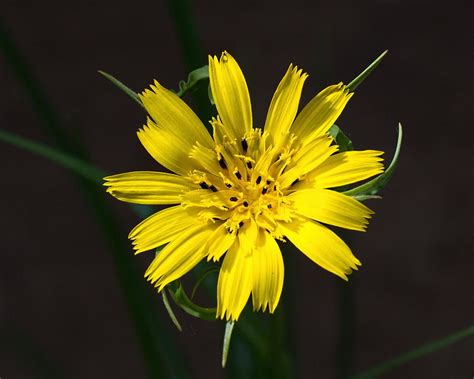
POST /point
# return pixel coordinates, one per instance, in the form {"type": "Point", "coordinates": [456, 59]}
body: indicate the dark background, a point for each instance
{"type": "Point", "coordinates": [60, 301]}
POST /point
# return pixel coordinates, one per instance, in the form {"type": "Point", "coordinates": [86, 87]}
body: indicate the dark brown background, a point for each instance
{"type": "Point", "coordinates": [58, 289]}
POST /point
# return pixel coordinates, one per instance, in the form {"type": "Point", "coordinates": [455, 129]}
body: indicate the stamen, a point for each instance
{"type": "Point", "coordinates": [213, 189]}
{"type": "Point", "coordinates": [228, 185]}
{"type": "Point", "coordinates": [246, 204]}
{"type": "Point", "coordinates": [259, 179]}
{"type": "Point", "coordinates": [264, 190]}
{"type": "Point", "coordinates": [203, 185]}
{"type": "Point", "coordinates": [233, 198]}
{"type": "Point", "coordinates": [222, 163]}
{"type": "Point", "coordinates": [241, 223]}
{"type": "Point", "coordinates": [249, 164]}
{"type": "Point", "coordinates": [237, 174]}
{"type": "Point", "coordinates": [245, 146]}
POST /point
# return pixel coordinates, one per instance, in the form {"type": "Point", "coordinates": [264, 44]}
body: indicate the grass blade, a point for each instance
{"type": "Point", "coordinates": [415, 354]}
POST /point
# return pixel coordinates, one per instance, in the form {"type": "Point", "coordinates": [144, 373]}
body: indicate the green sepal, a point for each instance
{"type": "Point", "coordinates": [180, 297]}
{"type": "Point", "coordinates": [170, 311]}
{"type": "Point", "coordinates": [203, 277]}
{"type": "Point", "coordinates": [229, 327]}
{"type": "Point", "coordinates": [194, 77]}
{"type": "Point", "coordinates": [364, 74]}
{"type": "Point", "coordinates": [344, 143]}
{"type": "Point", "coordinates": [209, 95]}
{"type": "Point", "coordinates": [372, 187]}
{"type": "Point", "coordinates": [122, 86]}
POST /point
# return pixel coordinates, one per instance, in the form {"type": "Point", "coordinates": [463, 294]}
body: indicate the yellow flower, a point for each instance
{"type": "Point", "coordinates": [235, 193]}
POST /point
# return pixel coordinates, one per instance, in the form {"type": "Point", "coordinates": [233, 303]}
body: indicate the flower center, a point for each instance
{"type": "Point", "coordinates": [240, 181]}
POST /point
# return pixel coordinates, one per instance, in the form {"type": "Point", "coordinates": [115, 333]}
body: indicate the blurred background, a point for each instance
{"type": "Point", "coordinates": [64, 312]}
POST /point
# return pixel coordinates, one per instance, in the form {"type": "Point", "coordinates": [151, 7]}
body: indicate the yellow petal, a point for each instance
{"type": "Point", "coordinates": [345, 168]}
{"type": "Point", "coordinates": [231, 95]}
{"type": "Point", "coordinates": [148, 187]}
{"type": "Point", "coordinates": [268, 273]}
{"type": "Point", "coordinates": [173, 114]}
{"type": "Point", "coordinates": [161, 227]}
{"type": "Point", "coordinates": [248, 234]}
{"type": "Point", "coordinates": [179, 256]}
{"type": "Point", "coordinates": [307, 158]}
{"type": "Point", "coordinates": [169, 150]}
{"type": "Point", "coordinates": [284, 105]}
{"type": "Point", "coordinates": [331, 207]}
{"type": "Point", "coordinates": [320, 113]}
{"type": "Point", "coordinates": [321, 245]}
{"type": "Point", "coordinates": [234, 284]}
{"type": "Point", "coordinates": [220, 241]}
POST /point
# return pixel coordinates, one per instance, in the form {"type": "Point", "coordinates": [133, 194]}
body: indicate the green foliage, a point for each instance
{"type": "Point", "coordinates": [371, 188]}
{"type": "Point", "coordinates": [364, 74]}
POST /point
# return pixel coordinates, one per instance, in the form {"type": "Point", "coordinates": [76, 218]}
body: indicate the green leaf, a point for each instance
{"type": "Point", "coordinates": [415, 354]}
{"type": "Point", "coordinates": [345, 144]}
{"type": "Point", "coordinates": [179, 296]}
{"type": "Point", "coordinates": [122, 86]}
{"type": "Point", "coordinates": [170, 311]}
{"type": "Point", "coordinates": [229, 327]}
{"type": "Point", "coordinates": [194, 77]}
{"type": "Point", "coordinates": [375, 185]}
{"type": "Point", "coordinates": [203, 277]}
{"type": "Point", "coordinates": [75, 165]}
{"type": "Point", "coordinates": [209, 95]}
{"type": "Point", "coordinates": [364, 74]}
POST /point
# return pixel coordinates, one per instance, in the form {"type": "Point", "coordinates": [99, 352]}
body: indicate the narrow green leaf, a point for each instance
{"type": "Point", "coordinates": [122, 86]}
{"type": "Point", "coordinates": [180, 298]}
{"type": "Point", "coordinates": [203, 277]}
{"type": "Point", "coordinates": [375, 185]}
{"type": "Point", "coordinates": [229, 327]}
{"type": "Point", "coordinates": [194, 77]}
{"type": "Point", "coordinates": [345, 144]}
{"type": "Point", "coordinates": [75, 165]}
{"type": "Point", "coordinates": [415, 354]}
{"type": "Point", "coordinates": [364, 74]}
{"type": "Point", "coordinates": [170, 311]}
{"type": "Point", "coordinates": [366, 197]}
{"type": "Point", "coordinates": [209, 95]}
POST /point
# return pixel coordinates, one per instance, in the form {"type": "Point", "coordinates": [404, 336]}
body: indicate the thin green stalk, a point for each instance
{"type": "Point", "coordinates": [347, 328]}
{"type": "Point", "coordinates": [419, 352]}
{"type": "Point", "coordinates": [159, 360]}
{"type": "Point", "coordinates": [193, 56]}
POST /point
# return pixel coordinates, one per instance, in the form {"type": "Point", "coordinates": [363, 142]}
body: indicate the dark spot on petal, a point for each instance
{"type": "Point", "coordinates": [249, 164]}
{"type": "Point", "coordinates": [241, 223]}
{"type": "Point", "coordinates": [268, 182]}
{"type": "Point", "coordinates": [246, 204]}
{"type": "Point", "coordinates": [204, 185]}
{"type": "Point", "coordinates": [244, 145]}
{"type": "Point", "coordinates": [237, 174]}
{"type": "Point", "coordinates": [259, 179]}
{"type": "Point", "coordinates": [233, 198]}
{"type": "Point", "coordinates": [213, 189]}
{"type": "Point", "coordinates": [269, 206]}
{"type": "Point", "coordinates": [264, 190]}
{"type": "Point", "coordinates": [228, 185]}
{"type": "Point", "coordinates": [222, 163]}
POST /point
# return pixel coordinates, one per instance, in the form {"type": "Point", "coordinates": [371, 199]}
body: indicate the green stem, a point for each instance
{"type": "Point", "coordinates": [188, 36]}
{"type": "Point", "coordinates": [347, 327]}
{"type": "Point", "coordinates": [139, 301]}
{"type": "Point", "coordinates": [415, 354]}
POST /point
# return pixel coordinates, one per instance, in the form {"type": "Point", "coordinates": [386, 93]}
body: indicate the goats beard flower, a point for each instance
{"type": "Point", "coordinates": [235, 193]}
